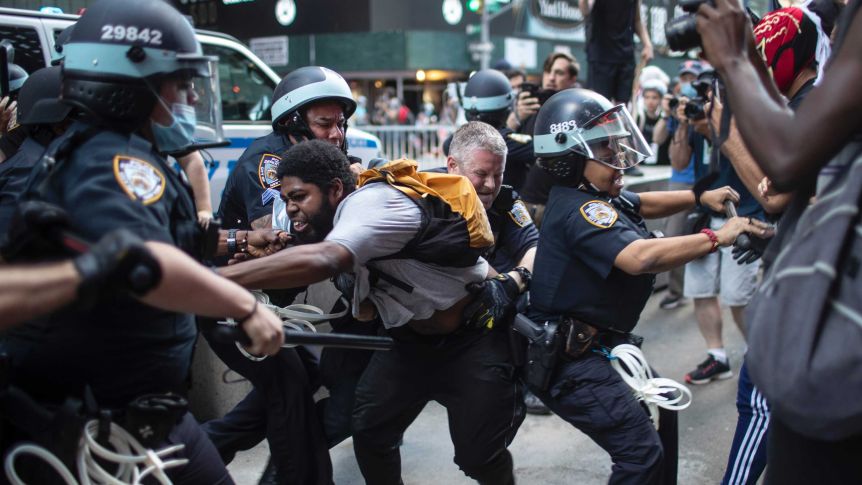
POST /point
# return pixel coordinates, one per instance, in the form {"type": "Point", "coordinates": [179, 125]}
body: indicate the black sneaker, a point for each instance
{"type": "Point", "coordinates": [534, 404]}
{"type": "Point", "coordinates": [671, 301]}
{"type": "Point", "coordinates": [709, 370]}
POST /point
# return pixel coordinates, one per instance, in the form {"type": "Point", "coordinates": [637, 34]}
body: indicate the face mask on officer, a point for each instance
{"type": "Point", "coordinates": [180, 134]}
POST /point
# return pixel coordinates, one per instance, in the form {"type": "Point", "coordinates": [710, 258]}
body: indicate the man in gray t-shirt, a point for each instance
{"type": "Point", "coordinates": [466, 368]}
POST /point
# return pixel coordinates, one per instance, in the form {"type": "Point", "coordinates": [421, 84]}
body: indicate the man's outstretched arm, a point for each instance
{"type": "Point", "coordinates": [296, 266]}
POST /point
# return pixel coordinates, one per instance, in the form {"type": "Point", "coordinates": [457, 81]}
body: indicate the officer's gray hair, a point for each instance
{"type": "Point", "coordinates": [476, 135]}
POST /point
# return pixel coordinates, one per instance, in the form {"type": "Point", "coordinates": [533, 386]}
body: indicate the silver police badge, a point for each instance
{"type": "Point", "coordinates": [599, 213]}
{"type": "Point", "coordinates": [520, 214]}
{"type": "Point", "coordinates": [266, 171]}
{"type": "Point", "coordinates": [139, 179]}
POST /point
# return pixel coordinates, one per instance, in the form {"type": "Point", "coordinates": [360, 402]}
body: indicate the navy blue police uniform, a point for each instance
{"type": "Point", "coordinates": [121, 348]}
{"type": "Point", "coordinates": [14, 173]}
{"type": "Point", "coordinates": [575, 277]}
{"type": "Point", "coordinates": [280, 407]}
{"type": "Point", "coordinates": [513, 229]}
{"type": "Point", "coordinates": [252, 185]}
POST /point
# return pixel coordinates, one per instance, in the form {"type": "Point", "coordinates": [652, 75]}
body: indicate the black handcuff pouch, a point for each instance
{"type": "Point", "coordinates": [151, 417]}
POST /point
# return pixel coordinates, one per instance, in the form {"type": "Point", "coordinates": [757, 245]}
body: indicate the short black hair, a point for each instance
{"type": "Point", "coordinates": [317, 162]}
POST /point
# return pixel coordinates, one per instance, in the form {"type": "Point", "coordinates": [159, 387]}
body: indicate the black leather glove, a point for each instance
{"type": "Point", "coordinates": [34, 232]}
{"type": "Point", "coordinates": [494, 302]}
{"type": "Point", "coordinates": [748, 250]}
{"type": "Point", "coordinates": [118, 263]}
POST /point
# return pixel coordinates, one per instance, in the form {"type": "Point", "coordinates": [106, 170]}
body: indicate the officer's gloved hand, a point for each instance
{"type": "Point", "coordinates": [119, 262]}
{"type": "Point", "coordinates": [750, 249]}
{"type": "Point", "coordinates": [494, 304]}
{"type": "Point", "coordinates": [34, 232]}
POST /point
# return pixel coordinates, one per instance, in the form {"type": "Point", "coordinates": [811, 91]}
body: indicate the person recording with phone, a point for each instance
{"type": "Point", "coordinates": [559, 72]}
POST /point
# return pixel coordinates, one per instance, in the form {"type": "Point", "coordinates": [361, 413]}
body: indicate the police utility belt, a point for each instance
{"type": "Point", "coordinates": [567, 338]}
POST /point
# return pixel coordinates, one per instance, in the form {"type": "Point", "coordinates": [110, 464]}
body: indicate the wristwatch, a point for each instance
{"type": "Point", "coordinates": [526, 276]}
{"type": "Point", "coordinates": [231, 242]}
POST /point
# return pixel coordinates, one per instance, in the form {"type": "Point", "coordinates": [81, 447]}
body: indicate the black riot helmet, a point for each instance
{"type": "Point", "coordinates": [302, 88]}
{"type": "Point", "coordinates": [120, 52]}
{"type": "Point", "coordinates": [576, 125]}
{"type": "Point", "coordinates": [39, 100]}
{"type": "Point", "coordinates": [488, 97]}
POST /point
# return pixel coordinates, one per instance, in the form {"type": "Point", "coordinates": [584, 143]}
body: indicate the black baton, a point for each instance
{"type": "Point", "coordinates": [742, 240]}
{"type": "Point", "coordinates": [230, 333]}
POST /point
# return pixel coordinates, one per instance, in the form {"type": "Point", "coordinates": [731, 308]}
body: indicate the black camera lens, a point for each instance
{"type": "Point", "coordinates": [694, 110]}
{"type": "Point", "coordinates": [681, 33]}
{"type": "Point", "coordinates": [673, 103]}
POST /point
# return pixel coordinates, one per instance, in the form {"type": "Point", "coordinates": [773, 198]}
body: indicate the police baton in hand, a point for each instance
{"type": "Point", "coordinates": [227, 333]}
{"type": "Point", "coordinates": [742, 240]}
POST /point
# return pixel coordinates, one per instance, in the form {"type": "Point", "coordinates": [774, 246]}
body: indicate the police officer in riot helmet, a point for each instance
{"type": "Point", "coordinates": [309, 103]}
{"type": "Point", "coordinates": [594, 272]}
{"type": "Point", "coordinates": [488, 97]}
{"type": "Point", "coordinates": [134, 68]}
{"type": "Point", "coordinates": [42, 116]}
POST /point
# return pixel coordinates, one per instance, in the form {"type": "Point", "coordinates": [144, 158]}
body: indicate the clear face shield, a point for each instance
{"type": "Point", "coordinates": [613, 139]}
{"type": "Point", "coordinates": [208, 130]}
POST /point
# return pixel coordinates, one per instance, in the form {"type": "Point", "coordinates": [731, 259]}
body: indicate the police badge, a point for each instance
{"type": "Point", "coordinates": [266, 171]}
{"type": "Point", "coordinates": [139, 179]}
{"type": "Point", "coordinates": [520, 214]}
{"type": "Point", "coordinates": [599, 213]}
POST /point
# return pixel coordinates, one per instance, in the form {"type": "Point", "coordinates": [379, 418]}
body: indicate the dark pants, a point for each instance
{"type": "Point", "coordinates": [747, 457]}
{"type": "Point", "coordinates": [797, 459]}
{"type": "Point", "coordinates": [470, 374]}
{"type": "Point", "coordinates": [613, 80]}
{"type": "Point", "coordinates": [296, 438]}
{"type": "Point", "coordinates": [204, 466]}
{"type": "Point", "coordinates": [591, 395]}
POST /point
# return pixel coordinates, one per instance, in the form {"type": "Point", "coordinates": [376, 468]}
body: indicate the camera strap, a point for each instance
{"type": "Point", "coordinates": [719, 138]}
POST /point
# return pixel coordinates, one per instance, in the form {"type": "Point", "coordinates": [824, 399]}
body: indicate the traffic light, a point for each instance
{"type": "Point", "coordinates": [475, 5]}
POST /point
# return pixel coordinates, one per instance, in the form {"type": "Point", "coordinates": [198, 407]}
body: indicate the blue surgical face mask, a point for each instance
{"type": "Point", "coordinates": [687, 90]}
{"type": "Point", "coordinates": [180, 134]}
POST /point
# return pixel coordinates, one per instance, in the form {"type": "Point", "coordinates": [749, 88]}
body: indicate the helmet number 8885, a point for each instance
{"type": "Point", "coordinates": [131, 34]}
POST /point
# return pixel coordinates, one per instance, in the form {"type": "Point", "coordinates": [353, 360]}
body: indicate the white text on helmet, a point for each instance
{"type": "Point", "coordinates": [564, 126]}
{"type": "Point", "coordinates": [131, 34]}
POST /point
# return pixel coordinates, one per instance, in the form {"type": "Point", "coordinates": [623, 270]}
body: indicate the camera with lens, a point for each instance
{"type": "Point", "coordinates": [681, 32]}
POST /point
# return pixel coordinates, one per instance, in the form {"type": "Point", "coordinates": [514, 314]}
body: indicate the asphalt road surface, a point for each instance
{"type": "Point", "coordinates": [547, 450]}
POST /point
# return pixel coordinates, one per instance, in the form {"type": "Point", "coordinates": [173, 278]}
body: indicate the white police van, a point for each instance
{"type": "Point", "coordinates": [246, 86]}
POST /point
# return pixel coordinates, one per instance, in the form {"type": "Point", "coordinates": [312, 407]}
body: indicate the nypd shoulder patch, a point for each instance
{"type": "Point", "coordinates": [139, 179]}
{"type": "Point", "coordinates": [266, 171]}
{"type": "Point", "coordinates": [599, 213]}
{"type": "Point", "coordinates": [520, 214]}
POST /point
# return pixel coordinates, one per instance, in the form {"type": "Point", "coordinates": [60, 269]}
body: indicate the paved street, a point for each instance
{"type": "Point", "coordinates": [549, 451]}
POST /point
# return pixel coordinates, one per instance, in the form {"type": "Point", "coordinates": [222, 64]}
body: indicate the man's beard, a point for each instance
{"type": "Point", "coordinates": [319, 225]}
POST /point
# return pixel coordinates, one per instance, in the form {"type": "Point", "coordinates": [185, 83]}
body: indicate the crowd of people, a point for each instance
{"type": "Point", "coordinates": [508, 281]}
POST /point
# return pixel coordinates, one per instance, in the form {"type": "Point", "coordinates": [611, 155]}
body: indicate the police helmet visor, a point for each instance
{"type": "Point", "coordinates": [612, 138]}
{"type": "Point", "coordinates": [208, 132]}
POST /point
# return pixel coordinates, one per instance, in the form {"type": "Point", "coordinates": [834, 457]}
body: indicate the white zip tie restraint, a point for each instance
{"type": "Point", "coordinates": [630, 363]}
{"type": "Point", "coordinates": [134, 461]}
{"type": "Point", "coordinates": [294, 317]}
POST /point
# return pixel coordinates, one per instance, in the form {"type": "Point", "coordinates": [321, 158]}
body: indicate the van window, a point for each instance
{"type": "Point", "coordinates": [246, 92]}
{"type": "Point", "coordinates": [28, 49]}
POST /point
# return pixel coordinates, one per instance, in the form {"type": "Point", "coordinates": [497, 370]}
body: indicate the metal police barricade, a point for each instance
{"type": "Point", "coordinates": [421, 143]}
